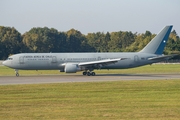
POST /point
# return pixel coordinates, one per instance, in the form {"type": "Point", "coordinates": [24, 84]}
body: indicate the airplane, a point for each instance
{"type": "Point", "coordinates": [87, 62]}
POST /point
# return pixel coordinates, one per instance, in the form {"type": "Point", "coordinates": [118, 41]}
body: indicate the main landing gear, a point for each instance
{"type": "Point", "coordinates": [89, 73]}
{"type": "Point", "coordinates": [16, 72]}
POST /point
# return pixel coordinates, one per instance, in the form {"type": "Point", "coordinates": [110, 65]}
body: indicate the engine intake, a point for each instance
{"type": "Point", "coordinates": [71, 68]}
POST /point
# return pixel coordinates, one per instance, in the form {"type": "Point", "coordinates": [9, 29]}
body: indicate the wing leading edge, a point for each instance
{"type": "Point", "coordinates": [101, 62]}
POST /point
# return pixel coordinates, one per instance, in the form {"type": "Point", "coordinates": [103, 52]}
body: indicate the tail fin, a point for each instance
{"type": "Point", "coordinates": [157, 44]}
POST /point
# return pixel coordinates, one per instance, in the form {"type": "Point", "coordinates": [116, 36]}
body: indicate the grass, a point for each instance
{"type": "Point", "coordinates": [134, 100]}
{"type": "Point", "coordinates": [156, 68]}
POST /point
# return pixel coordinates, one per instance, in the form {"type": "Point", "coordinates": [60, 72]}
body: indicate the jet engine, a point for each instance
{"type": "Point", "coordinates": [71, 68]}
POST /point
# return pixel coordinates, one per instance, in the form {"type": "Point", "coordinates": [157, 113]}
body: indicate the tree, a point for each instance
{"type": "Point", "coordinates": [120, 40]}
{"type": "Point", "coordinates": [74, 41]}
{"type": "Point", "coordinates": [173, 44]}
{"type": "Point", "coordinates": [10, 41]}
{"type": "Point", "coordinates": [98, 41]}
{"type": "Point", "coordinates": [40, 39]}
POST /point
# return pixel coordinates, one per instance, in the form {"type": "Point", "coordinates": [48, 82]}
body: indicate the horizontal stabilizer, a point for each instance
{"type": "Point", "coordinates": [164, 57]}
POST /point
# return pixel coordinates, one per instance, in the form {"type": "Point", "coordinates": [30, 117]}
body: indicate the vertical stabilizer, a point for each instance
{"type": "Point", "coordinates": [157, 44]}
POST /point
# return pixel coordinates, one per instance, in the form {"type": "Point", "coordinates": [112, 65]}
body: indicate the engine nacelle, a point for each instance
{"type": "Point", "coordinates": [71, 68]}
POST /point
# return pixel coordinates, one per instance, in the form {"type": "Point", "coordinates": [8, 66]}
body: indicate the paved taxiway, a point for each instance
{"type": "Point", "coordinates": [40, 79]}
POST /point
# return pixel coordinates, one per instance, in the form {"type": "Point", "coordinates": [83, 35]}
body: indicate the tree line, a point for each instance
{"type": "Point", "coordinates": [42, 40]}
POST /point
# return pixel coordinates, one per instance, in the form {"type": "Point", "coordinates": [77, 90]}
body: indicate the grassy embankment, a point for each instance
{"type": "Point", "coordinates": [156, 99]}
{"type": "Point", "coordinates": [156, 68]}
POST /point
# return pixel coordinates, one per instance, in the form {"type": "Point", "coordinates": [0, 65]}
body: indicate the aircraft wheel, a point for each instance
{"type": "Point", "coordinates": [17, 74]}
{"type": "Point", "coordinates": [84, 73]}
{"type": "Point", "coordinates": [88, 73]}
{"type": "Point", "coordinates": [93, 73]}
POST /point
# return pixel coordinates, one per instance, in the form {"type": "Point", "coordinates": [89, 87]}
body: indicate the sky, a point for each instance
{"type": "Point", "coordinates": [90, 16]}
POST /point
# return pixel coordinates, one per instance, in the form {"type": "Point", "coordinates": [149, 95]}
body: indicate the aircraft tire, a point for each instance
{"type": "Point", "coordinates": [93, 73]}
{"type": "Point", "coordinates": [84, 73]}
{"type": "Point", "coordinates": [17, 74]}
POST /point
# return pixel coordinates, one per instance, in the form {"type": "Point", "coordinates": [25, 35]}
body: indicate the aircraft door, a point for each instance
{"type": "Point", "coordinates": [136, 58]}
{"type": "Point", "coordinates": [21, 60]}
{"type": "Point", "coordinates": [54, 59]}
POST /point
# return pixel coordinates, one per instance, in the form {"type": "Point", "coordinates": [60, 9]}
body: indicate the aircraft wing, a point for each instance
{"type": "Point", "coordinates": [100, 62]}
{"type": "Point", "coordinates": [164, 57]}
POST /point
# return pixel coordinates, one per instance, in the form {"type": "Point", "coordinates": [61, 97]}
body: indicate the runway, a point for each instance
{"type": "Point", "coordinates": [41, 79]}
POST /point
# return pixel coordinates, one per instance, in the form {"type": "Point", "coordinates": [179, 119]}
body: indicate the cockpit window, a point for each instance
{"type": "Point", "coordinates": [10, 58]}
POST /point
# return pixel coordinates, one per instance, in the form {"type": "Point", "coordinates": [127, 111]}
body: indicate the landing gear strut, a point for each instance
{"type": "Point", "coordinates": [89, 73]}
{"type": "Point", "coordinates": [16, 72]}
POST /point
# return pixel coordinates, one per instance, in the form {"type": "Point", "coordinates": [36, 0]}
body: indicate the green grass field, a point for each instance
{"type": "Point", "coordinates": [156, 68]}
{"type": "Point", "coordinates": [133, 100]}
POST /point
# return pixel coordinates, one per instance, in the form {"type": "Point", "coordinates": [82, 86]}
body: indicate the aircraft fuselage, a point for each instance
{"type": "Point", "coordinates": [54, 61]}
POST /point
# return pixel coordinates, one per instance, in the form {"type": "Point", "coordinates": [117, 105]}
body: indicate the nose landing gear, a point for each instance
{"type": "Point", "coordinates": [16, 72]}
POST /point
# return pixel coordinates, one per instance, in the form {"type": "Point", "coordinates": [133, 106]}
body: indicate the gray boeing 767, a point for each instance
{"type": "Point", "coordinates": [87, 62]}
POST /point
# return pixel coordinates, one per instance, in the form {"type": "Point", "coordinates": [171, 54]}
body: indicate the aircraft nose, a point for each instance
{"type": "Point", "coordinates": [5, 63]}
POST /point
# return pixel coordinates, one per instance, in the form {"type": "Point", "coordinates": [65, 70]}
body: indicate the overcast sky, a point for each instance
{"type": "Point", "coordinates": [90, 16]}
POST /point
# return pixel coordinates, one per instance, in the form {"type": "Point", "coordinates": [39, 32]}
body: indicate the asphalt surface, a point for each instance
{"type": "Point", "coordinates": [41, 79]}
